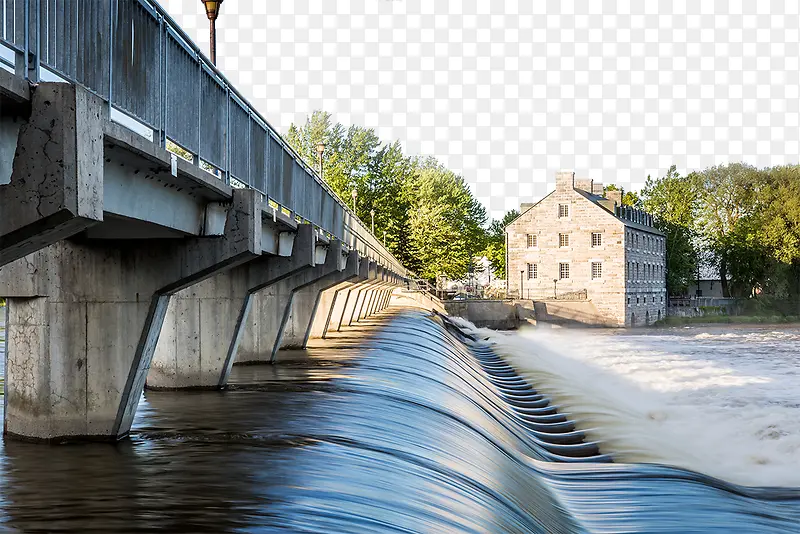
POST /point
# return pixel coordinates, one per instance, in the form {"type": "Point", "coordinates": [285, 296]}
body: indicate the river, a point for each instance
{"type": "Point", "coordinates": [393, 428]}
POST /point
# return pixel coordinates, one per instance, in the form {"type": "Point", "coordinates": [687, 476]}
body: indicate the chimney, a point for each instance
{"type": "Point", "coordinates": [584, 184]}
{"type": "Point", "coordinates": [565, 181]}
{"type": "Point", "coordinates": [615, 196]}
{"type": "Point", "coordinates": [597, 188]}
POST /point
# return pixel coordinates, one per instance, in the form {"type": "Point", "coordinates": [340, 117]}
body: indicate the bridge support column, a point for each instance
{"type": "Point", "coordinates": [56, 187]}
{"type": "Point", "coordinates": [85, 316]}
{"type": "Point", "coordinates": [357, 297]}
{"type": "Point", "coordinates": [363, 310]}
{"type": "Point", "coordinates": [202, 329]}
{"type": "Point", "coordinates": [304, 305]}
{"type": "Point", "coordinates": [340, 301]}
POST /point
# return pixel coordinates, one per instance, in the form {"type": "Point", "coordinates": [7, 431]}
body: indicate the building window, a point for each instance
{"type": "Point", "coordinates": [563, 271]}
{"type": "Point", "coordinates": [662, 299]}
{"type": "Point", "coordinates": [654, 298]}
{"type": "Point", "coordinates": [637, 270]}
{"type": "Point", "coordinates": [563, 240]}
{"type": "Point", "coordinates": [637, 300]}
{"type": "Point", "coordinates": [597, 270]}
{"type": "Point", "coordinates": [533, 240]}
{"type": "Point", "coordinates": [563, 210]}
{"type": "Point", "coordinates": [533, 271]}
{"type": "Point", "coordinates": [629, 300]}
{"type": "Point", "coordinates": [597, 239]}
{"type": "Point", "coordinates": [636, 240]}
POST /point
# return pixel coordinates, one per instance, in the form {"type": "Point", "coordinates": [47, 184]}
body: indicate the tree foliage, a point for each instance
{"type": "Point", "coordinates": [741, 221]}
{"type": "Point", "coordinates": [672, 200]}
{"type": "Point", "coordinates": [495, 250]}
{"type": "Point", "coordinates": [427, 214]}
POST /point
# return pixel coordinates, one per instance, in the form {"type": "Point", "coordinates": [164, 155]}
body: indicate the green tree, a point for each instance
{"type": "Point", "coordinates": [727, 218]}
{"type": "Point", "coordinates": [446, 223]}
{"type": "Point", "coordinates": [673, 202]}
{"type": "Point", "coordinates": [430, 219]}
{"type": "Point", "coordinates": [495, 250]}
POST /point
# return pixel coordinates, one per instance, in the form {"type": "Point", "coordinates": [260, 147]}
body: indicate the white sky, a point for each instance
{"type": "Point", "coordinates": [507, 92]}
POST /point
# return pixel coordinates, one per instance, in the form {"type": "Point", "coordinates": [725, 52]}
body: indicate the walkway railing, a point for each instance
{"type": "Point", "coordinates": [133, 55]}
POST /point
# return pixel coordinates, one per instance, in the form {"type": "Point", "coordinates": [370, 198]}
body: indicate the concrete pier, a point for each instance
{"type": "Point", "coordinates": [85, 316]}
{"type": "Point", "coordinates": [205, 324]}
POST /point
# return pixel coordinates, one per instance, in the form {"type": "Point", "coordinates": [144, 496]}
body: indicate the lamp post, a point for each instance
{"type": "Point", "coordinates": [320, 151]}
{"type": "Point", "coordinates": [384, 238]}
{"type": "Point", "coordinates": [212, 12]}
{"type": "Point", "coordinates": [555, 284]}
{"type": "Point", "coordinates": [521, 273]}
{"type": "Point", "coordinates": [372, 214]}
{"type": "Point", "coordinates": [354, 194]}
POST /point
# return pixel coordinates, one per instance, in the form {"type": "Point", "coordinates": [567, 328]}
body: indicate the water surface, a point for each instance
{"type": "Point", "coordinates": [398, 432]}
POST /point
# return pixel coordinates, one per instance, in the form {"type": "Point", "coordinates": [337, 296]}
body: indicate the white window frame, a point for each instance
{"type": "Point", "coordinates": [531, 241]}
{"type": "Point", "coordinates": [561, 266]}
{"type": "Point", "coordinates": [599, 239]}
{"type": "Point", "coordinates": [563, 208]}
{"type": "Point", "coordinates": [533, 271]}
{"type": "Point", "coordinates": [599, 265]}
{"type": "Point", "coordinates": [565, 240]}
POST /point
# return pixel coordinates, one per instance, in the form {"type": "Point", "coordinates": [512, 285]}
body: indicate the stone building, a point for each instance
{"type": "Point", "coordinates": [574, 244]}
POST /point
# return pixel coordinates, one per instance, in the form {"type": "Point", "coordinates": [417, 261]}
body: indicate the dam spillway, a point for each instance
{"type": "Point", "coordinates": [411, 429]}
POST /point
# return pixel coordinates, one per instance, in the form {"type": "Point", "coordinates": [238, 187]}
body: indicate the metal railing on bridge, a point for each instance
{"type": "Point", "coordinates": [133, 55]}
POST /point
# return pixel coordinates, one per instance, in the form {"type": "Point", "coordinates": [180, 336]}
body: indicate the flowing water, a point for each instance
{"type": "Point", "coordinates": [398, 428]}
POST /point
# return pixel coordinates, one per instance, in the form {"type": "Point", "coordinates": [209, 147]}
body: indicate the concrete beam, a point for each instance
{"type": "Point", "coordinates": [204, 323]}
{"type": "Point", "coordinates": [85, 317]}
{"type": "Point", "coordinates": [56, 187]}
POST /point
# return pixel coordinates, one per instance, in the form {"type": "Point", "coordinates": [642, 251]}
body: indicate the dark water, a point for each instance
{"type": "Point", "coordinates": [401, 434]}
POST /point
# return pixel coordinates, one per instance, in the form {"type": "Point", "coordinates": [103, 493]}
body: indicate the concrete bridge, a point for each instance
{"type": "Point", "coordinates": [123, 264]}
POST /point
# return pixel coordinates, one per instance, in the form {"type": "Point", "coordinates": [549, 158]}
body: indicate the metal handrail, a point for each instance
{"type": "Point", "coordinates": [41, 22]}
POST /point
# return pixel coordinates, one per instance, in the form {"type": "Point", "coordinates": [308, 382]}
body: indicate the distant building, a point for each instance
{"type": "Point", "coordinates": [576, 244]}
{"type": "Point", "coordinates": [707, 284]}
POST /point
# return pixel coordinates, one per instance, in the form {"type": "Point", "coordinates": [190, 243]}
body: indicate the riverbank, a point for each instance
{"type": "Point", "coordinates": [728, 319]}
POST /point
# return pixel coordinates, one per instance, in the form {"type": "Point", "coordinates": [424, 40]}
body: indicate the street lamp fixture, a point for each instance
{"type": "Point", "coordinates": [212, 12]}
{"type": "Point", "coordinates": [372, 214]}
{"type": "Point", "coordinates": [354, 194]}
{"type": "Point", "coordinates": [320, 151]}
{"type": "Point", "coordinates": [555, 284]}
{"type": "Point", "coordinates": [521, 273]}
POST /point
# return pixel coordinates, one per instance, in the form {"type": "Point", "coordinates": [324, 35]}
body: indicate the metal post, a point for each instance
{"type": "Point", "coordinates": [521, 274]}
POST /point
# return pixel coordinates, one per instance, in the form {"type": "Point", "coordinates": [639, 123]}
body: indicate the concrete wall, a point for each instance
{"type": "Point", "coordinates": [494, 314]}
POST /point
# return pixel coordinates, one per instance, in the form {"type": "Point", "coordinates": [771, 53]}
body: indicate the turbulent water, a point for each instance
{"type": "Point", "coordinates": [721, 400]}
{"type": "Point", "coordinates": [413, 430]}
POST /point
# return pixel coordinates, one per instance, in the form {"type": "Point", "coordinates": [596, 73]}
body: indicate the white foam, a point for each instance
{"type": "Point", "coordinates": [725, 402]}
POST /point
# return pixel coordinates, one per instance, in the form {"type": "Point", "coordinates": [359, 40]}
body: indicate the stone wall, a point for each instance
{"type": "Point", "coordinates": [646, 290]}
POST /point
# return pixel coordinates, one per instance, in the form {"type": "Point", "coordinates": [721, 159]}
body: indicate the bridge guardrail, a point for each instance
{"type": "Point", "coordinates": [132, 54]}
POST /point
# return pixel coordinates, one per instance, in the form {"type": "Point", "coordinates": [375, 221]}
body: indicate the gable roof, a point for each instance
{"type": "Point", "coordinates": [596, 200]}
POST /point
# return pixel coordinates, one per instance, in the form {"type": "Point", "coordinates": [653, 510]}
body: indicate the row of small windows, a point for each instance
{"type": "Point", "coordinates": [532, 240]}
{"type": "Point", "coordinates": [648, 242]}
{"type": "Point", "coordinates": [644, 299]}
{"type": "Point", "coordinates": [637, 271]}
{"type": "Point", "coordinates": [563, 270]}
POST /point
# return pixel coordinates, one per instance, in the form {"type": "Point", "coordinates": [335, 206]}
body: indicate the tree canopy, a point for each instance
{"type": "Point", "coordinates": [430, 219]}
